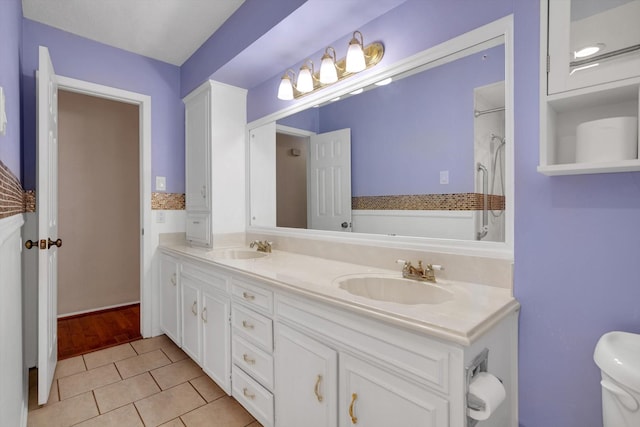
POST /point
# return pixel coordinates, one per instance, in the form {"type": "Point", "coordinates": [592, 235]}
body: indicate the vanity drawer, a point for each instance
{"type": "Point", "coordinates": [255, 398]}
{"type": "Point", "coordinates": [257, 363]}
{"type": "Point", "coordinates": [205, 277]}
{"type": "Point", "coordinates": [253, 296]}
{"type": "Point", "coordinates": [255, 327]}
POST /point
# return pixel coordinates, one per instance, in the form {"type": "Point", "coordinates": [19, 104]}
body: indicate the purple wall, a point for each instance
{"type": "Point", "coordinates": [246, 25]}
{"type": "Point", "coordinates": [308, 119]}
{"type": "Point", "coordinates": [577, 245]}
{"type": "Point", "coordinates": [425, 120]}
{"type": "Point", "coordinates": [10, 39]}
{"type": "Point", "coordinates": [84, 59]}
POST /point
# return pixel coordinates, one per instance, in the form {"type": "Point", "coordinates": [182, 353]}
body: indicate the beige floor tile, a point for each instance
{"type": "Point", "coordinates": [169, 404]}
{"type": "Point", "coordinates": [207, 388]}
{"type": "Point", "coordinates": [125, 416]}
{"type": "Point", "coordinates": [143, 363]}
{"type": "Point", "coordinates": [173, 423]}
{"type": "Point", "coordinates": [224, 412]}
{"type": "Point", "coordinates": [108, 355]}
{"type": "Point", "coordinates": [174, 353]}
{"type": "Point", "coordinates": [89, 380]}
{"type": "Point", "coordinates": [149, 344]}
{"type": "Point", "coordinates": [67, 367]}
{"type": "Point", "coordinates": [64, 413]}
{"type": "Point", "coordinates": [171, 375]}
{"type": "Point", "coordinates": [118, 394]}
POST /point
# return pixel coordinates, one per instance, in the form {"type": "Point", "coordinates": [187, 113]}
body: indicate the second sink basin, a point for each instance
{"type": "Point", "coordinates": [238, 254]}
{"type": "Point", "coordinates": [395, 289]}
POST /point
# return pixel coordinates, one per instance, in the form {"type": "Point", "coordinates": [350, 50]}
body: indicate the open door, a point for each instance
{"type": "Point", "coordinates": [47, 212]}
{"type": "Point", "coordinates": [330, 181]}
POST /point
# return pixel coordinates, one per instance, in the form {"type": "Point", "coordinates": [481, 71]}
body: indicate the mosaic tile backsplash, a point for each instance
{"type": "Point", "coordinates": [168, 201]}
{"type": "Point", "coordinates": [444, 202]}
{"type": "Point", "coordinates": [12, 200]}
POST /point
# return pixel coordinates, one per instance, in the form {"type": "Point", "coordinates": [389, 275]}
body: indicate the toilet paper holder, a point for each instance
{"type": "Point", "coordinates": [479, 364]}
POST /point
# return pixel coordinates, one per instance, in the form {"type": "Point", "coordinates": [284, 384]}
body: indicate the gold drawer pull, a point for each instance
{"type": "Point", "coordinates": [248, 296]}
{"type": "Point", "coordinates": [248, 359]}
{"type": "Point", "coordinates": [316, 390]}
{"type": "Point", "coordinates": [246, 393]}
{"type": "Point", "coordinates": [173, 279]}
{"type": "Point", "coordinates": [247, 325]}
{"type": "Point", "coordinates": [354, 419]}
{"type": "Point", "coordinates": [204, 315]}
{"type": "Point", "coordinates": [194, 308]}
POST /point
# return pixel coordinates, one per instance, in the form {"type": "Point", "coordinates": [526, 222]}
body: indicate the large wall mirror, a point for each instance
{"type": "Point", "coordinates": [427, 155]}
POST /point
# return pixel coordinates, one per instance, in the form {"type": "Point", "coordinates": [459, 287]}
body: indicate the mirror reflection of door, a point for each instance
{"type": "Point", "coordinates": [291, 180]}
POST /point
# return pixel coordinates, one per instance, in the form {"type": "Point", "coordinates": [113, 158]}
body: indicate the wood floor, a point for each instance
{"type": "Point", "coordinates": [94, 331]}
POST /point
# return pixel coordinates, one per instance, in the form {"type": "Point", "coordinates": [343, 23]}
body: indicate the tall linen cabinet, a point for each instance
{"type": "Point", "coordinates": [215, 121]}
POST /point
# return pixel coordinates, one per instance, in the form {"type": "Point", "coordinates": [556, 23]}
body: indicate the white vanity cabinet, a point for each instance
{"type": "Point", "coordinates": [252, 349]}
{"type": "Point", "coordinates": [306, 383]}
{"type": "Point", "coordinates": [215, 119]}
{"type": "Point", "coordinates": [205, 322]}
{"type": "Point", "coordinates": [576, 89]}
{"type": "Point", "coordinates": [170, 297]}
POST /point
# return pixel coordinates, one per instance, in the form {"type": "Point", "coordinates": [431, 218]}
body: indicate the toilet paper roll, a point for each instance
{"type": "Point", "coordinates": [489, 390]}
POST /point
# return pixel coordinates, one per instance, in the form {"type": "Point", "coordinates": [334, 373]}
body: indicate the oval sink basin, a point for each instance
{"type": "Point", "coordinates": [238, 254]}
{"type": "Point", "coordinates": [395, 289]}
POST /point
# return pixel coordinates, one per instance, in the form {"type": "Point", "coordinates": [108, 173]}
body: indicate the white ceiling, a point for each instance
{"type": "Point", "coordinates": [167, 30]}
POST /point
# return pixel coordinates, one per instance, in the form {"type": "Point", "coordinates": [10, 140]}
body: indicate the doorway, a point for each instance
{"type": "Point", "coordinates": [99, 217]}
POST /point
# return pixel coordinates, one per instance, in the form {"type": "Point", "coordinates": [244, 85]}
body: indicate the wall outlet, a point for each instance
{"type": "Point", "coordinates": [161, 183]}
{"type": "Point", "coordinates": [444, 177]}
{"type": "Point", "coordinates": [161, 217]}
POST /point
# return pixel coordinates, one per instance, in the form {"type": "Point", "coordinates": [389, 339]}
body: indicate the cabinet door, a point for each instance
{"type": "Point", "coordinates": [191, 324]}
{"type": "Point", "coordinates": [197, 149]}
{"type": "Point", "coordinates": [169, 298]}
{"type": "Point", "coordinates": [372, 397]}
{"type": "Point", "coordinates": [305, 381]}
{"type": "Point", "coordinates": [216, 340]}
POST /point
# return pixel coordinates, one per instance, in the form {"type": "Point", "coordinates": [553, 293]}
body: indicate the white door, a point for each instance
{"type": "Point", "coordinates": [330, 181]}
{"type": "Point", "coordinates": [306, 373]}
{"type": "Point", "coordinates": [47, 210]}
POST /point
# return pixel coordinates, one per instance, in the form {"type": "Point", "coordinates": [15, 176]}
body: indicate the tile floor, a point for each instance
{"type": "Point", "coordinates": [150, 382]}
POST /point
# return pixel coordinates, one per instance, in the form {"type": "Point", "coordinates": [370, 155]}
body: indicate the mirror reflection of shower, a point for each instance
{"type": "Point", "coordinates": [489, 161]}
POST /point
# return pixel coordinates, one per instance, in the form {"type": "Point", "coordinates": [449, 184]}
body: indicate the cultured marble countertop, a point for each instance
{"type": "Point", "coordinates": [472, 311]}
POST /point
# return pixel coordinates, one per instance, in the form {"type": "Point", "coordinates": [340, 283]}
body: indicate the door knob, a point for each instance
{"type": "Point", "coordinates": [344, 224]}
{"type": "Point", "coordinates": [56, 243]}
{"type": "Point", "coordinates": [30, 244]}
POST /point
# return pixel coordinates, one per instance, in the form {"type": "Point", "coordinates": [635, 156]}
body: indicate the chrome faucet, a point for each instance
{"type": "Point", "coordinates": [263, 246]}
{"type": "Point", "coordinates": [423, 274]}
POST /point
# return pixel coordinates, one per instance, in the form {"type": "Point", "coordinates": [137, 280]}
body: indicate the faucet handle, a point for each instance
{"type": "Point", "coordinates": [402, 261]}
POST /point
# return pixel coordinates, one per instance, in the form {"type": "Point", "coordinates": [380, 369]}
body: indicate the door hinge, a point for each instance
{"type": "Point", "coordinates": [548, 64]}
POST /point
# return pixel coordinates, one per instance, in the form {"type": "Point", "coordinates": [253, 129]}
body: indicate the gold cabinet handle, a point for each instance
{"type": "Point", "coordinates": [316, 389]}
{"type": "Point", "coordinates": [248, 296]}
{"type": "Point", "coordinates": [57, 243]}
{"type": "Point", "coordinates": [246, 393]}
{"type": "Point", "coordinates": [194, 308]}
{"type": "Point", "coordinates": [354, 419]}
{"type": "Point", "coordinates": [248, 359]}
{"type": "Point", "coordinates": [30, 244]}
{"type": "Point", "coordinates": [173, 279]}
{"type": "Point", "coordinates": [247, 325]}
{"type": "Point", "coordinates": [204, 315]}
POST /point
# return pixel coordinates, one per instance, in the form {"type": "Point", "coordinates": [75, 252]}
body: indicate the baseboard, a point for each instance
{"type": "Point", "coordinates": [96, 310]}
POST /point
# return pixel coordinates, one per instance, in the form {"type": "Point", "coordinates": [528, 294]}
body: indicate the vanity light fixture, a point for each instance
{"type": "Point", "coordinates": [588, 51]}
{"type": "Point", "coordinates": [357, 91]}
{"type": "Point", "coordinates": [359, 58]}
{"type": "Point", "coordinates": [384, 82]}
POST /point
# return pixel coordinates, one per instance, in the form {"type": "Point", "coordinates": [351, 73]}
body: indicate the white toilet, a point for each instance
{"type": "Point", "coordinates": [617, 354]}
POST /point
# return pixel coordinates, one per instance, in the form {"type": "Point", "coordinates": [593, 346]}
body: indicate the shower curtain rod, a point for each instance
{"type": "Point", "coordinates": [477, 113]}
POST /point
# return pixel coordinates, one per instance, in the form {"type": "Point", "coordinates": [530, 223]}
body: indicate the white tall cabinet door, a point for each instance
{"type": "Point", "coordinates": [216, 338]}
{"type": "Point", "coordinates": [198, 137]}
{"type": "Point", "coordinates": [191, 324]}
{"type": "Point", "coordinates": [169, 298]}
{"type": "Point", "coordinates": [305, 381]}
{"type": "Point", "coordinates": [372, 397]}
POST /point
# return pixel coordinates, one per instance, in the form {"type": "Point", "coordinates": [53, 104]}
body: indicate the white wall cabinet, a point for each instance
{"type": "Point", "coordinates": [170, 297]}
{"type": "Point", "coordinates": [578, 90]}
{"type": "Point", "coordinates": [215, 120]}
{"type": "Point", "coordinates": [306, 380]}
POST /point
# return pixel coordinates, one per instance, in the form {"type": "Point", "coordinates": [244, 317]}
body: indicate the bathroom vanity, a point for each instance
{"type": "Point", "coordinates": [279, 333]}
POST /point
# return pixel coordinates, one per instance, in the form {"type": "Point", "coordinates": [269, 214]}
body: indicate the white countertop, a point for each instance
{"type": "Point", "coordinates": [473, 309]}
